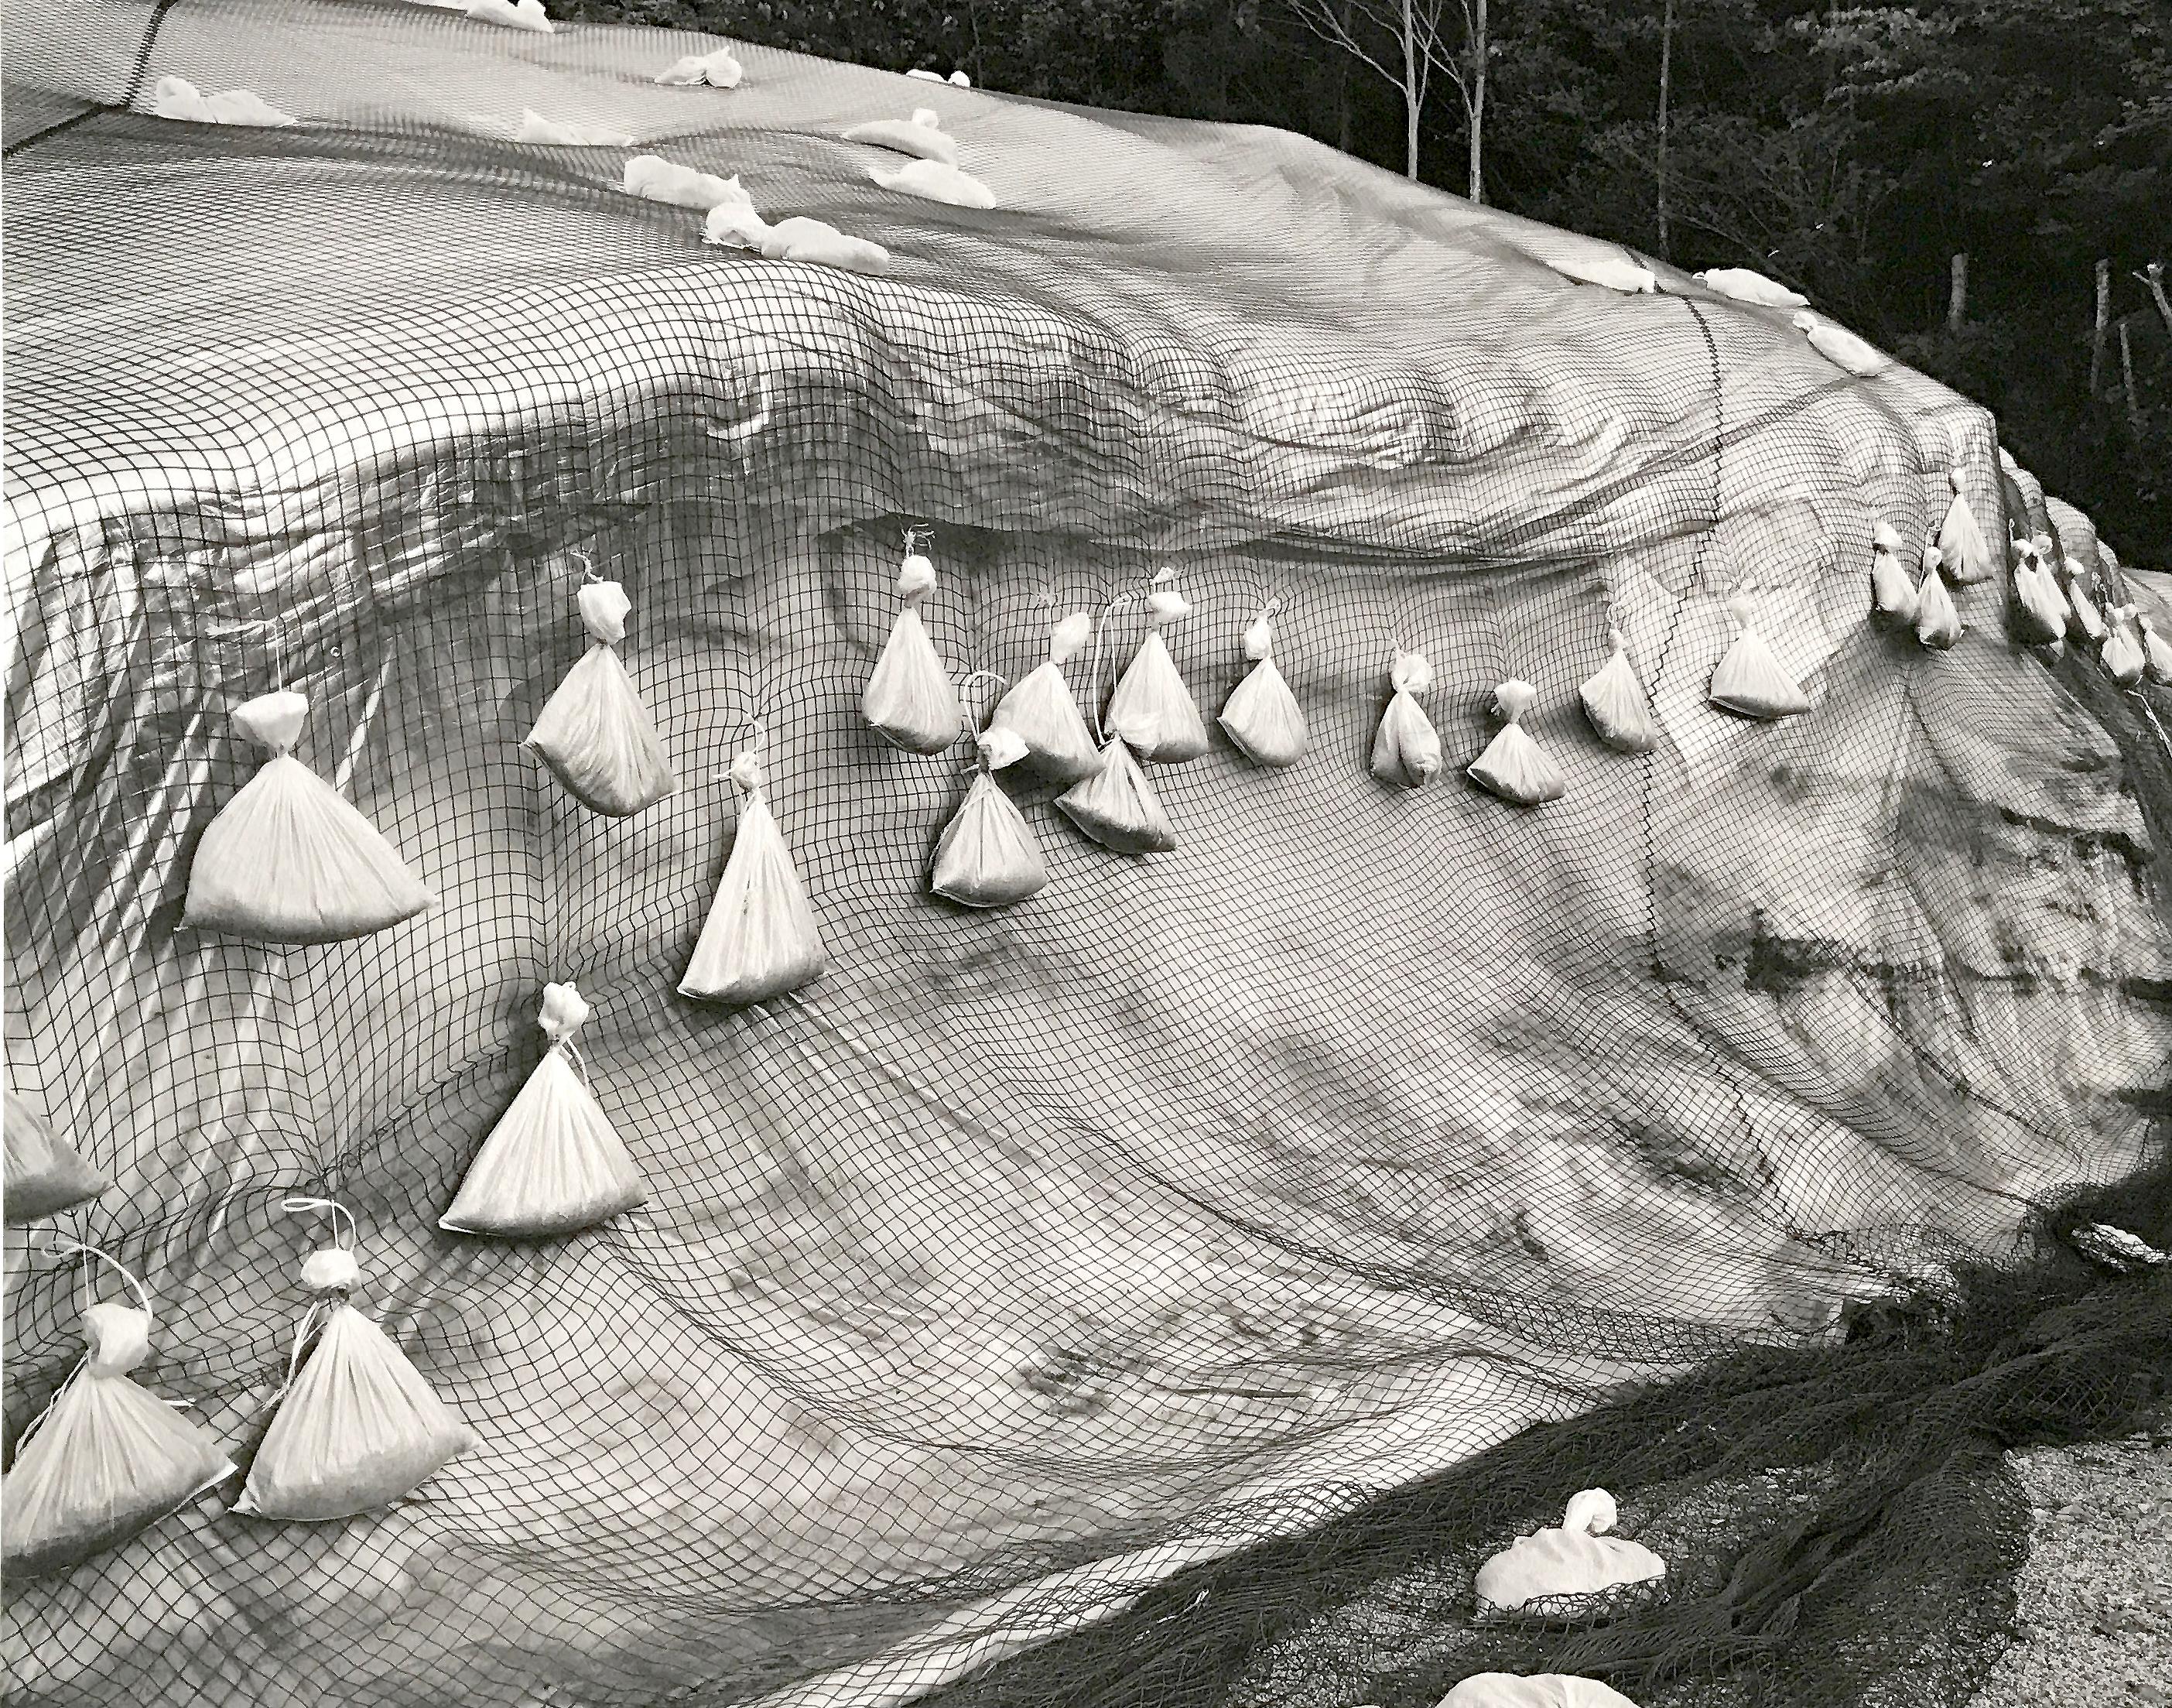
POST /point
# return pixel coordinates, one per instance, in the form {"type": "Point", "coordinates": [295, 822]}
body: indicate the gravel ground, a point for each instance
{"type": "Point", "coordinates": [2096, 1596]}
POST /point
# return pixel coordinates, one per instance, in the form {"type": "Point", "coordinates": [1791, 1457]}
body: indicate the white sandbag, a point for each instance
{"type": "Point", "coordinates": [957, 80]}
{"type": "Point", "coordinates": [2081, 604]}
{"type": "Point", "coordinates": [357, 1425]}
{"type": "Point", "coordinates": [553, 1164]}
{"type": "Point", "coordinates": [1961, 544]}
{"type": "Point", "coordinates": [1616, 704]}
{"type": "Point", "coordinates": [1406, 750]}
{"type": "Point", "coordinates": [1513, 767]}
{"type": "Point", "coordinates": [1576, 1560]}
{"type": "Point", "coordinates": [1892, 594]}
{"type": "Point", "coordinates": [594, 733]}
{"type": "Point", "coordinates": [534, 128]}
{"type": "Point", "coordinates": [287, 859]}
{"type": "Point", "coordinates": [760, 938]}
{"type": "Point", "coordinates": [1749, 681]}
{"type": "Point", "coordinates": [2124, 658]}
{"type": "Point", "coordinates": [1838, 345]}
{"type": "Point", "coordinates": [656, 179]}
{"type": "Point", "coordinates": [1533, 1690]}
{"type": "Point", "coordinates": [45, 1174]}
{"type": "Point", "coordinates": [935, 180]}
{"type": "Point", "coordinates": [1600, 267]}
{"type": "Point", "coordinates": [922, 136]}
{"type": "Point", "coordinates": [910, 700]}
{"type": "Point", "coordinates": [2156, 651]}
{"type": "Point", "coordinates": [105, 1459]}
{"type": "Point", "coordinates": [1117, 806]}
{"type": "Point", "coordinates": [2040, 616]}
{"type": "Point", "coordinates": [1261, 716]}
{"type": "Point", "coordinates": [814, 241]}
{"type": "Point", "coordinates": [511, 14]}
{"type": "Point", "coordinates": [1042, 711]}
{"type": "Point", "coordinates": [1746, 286]}
{"type": "Point", "coordinates": [177, 98]}
{"type": "Point", "coordinates": [988, 856]}
{"type": "Point", "coordinates": [1938, 621]}
{"type": "Point", "coordinates": [1152, 706]}
{"type": "Point", "coordinates": [719, 69]}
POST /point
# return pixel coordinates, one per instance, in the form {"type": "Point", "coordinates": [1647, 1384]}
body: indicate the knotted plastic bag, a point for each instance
{"type": "Point", "coordinates": [760, 938]}
{"type": "Point", "coordinates": [1961, 543]}
{"type": "Point", "coordinates": [2156, 652]}
{"type": "Point", "coordinates": [1152, 706]}
{"type": "Point", "coordinates": [1938, 623]}
{"type": "Point", "coordinates": [1261, 716]}
{"type": "Point", "coordinates": [553, 1164]}
{"type": "Point", "coordinates": [1513, 766]}
{"type": "Point", "coordinates": [594, 733]}
{"type": "Point", "coordinates": [2040, 614]}
{"type": "Point", "coordinates": [358, 1426]}
{"type": "Point", "coordinates": [988, 856]}
{"type": "Point", "coordinates": [1406, 747]}
{"type": "Point", "coordinates": [1533, 1690]}
{"type": "Point", "coordinates": [1892, 594]}
{"type": "Point", "coordinates": [1749, 681]}
{"type": "Point", "coordinates": [1614, 703]}
{"type": "Point", "coordinates": [2087, 619]}
{"type": "Point", "coordinates": [105, 1459]}
{"type": "Point", "coordinates": [910, 701]}
{"type": "Point", "coordinates": [1558, 1567]}
{"type": "Point", "coordinates": [2124, 658]}
{"type": "Point", "coordinates": [1116, 805]}
{"type": "Point", "coordinates": [288, 860]}
{"type": "Point", "coordinates": [924, 135]}
{"type": "Point", "coordinates": [44, 1173]}
{"type": "Point", "coordinates": [1042, 712]}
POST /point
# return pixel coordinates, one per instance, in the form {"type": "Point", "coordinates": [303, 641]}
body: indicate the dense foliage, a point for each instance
{"type": "Point", "coordinates": [1850, 151]}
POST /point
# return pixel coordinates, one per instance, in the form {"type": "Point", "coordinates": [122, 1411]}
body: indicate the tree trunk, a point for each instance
{"type": "Point", "coordinates": [1666, 92]}
{"type": "Point", "coordinates": [1479, 59]}
{"type": "Point", "coordinates": [1342, 90]}
{"type": "Point", "coordinates": [2126, 373]}
{"type": "Point", "coordinates": [1957, 293]}
{"type": "Point", "coordinates": [2103, 326]}
{"type": "Point", "coordinates": [2153, 276]}
{"type": "Point", "coordinates": [1412, 88]}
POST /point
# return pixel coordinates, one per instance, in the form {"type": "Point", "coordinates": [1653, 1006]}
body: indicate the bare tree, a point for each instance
{"type": "Point", "coordinates": [1407, 42]}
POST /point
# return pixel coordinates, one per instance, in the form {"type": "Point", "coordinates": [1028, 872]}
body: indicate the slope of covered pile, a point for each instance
{"type": "Point", "coordinates": [1181, 1202]}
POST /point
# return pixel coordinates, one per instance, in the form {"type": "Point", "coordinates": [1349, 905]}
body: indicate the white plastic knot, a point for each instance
{"type": "Point", "coordinates": [1592, 1512]}
{"type": "Point", "coordinates": [1933, 559]}
{"type": "Point", "coordinates": [1616, 640]}
{"type": "Point", "coordinates": [604, 606]}
{"type": "Point", "coordinates": [1001, 746]}
{"type": "Point", "coordinates": [1512, 699]}
{"type": "Point", "coordinates": [1805, 321]}
{"type": "Point", "coordinates": [564, 1012]}
{"type": "Point", "coordinates": [1259, 638]}
{"type": "Point", "coordinates": [746, 773]}
{"type": "Point", "coordinates": [1743, 610]}
{"type": "Point", "coordinates": [2043, 544]}
{"type": "Point", "coordinates": [1067, 638]}
{"type": "Point", "coordinates": [1410, 674]}
{"type": "Point", "coordinates": [119, 1337]}
{"type": "Point", "coordinates": [333, 1269]}
{"type": "Point", "coordinates": [1886, 537]}
{"type": "Point", "coordinates": [1953, 481]}
{"type": "Point", "coordinates": [915, 576]}
{"type": "Point", "coordinates": [274, 720]}
{"type": "Point", "coordinates": [1165, 605]}
{"type": "Point", "coordinates": [926, 118]}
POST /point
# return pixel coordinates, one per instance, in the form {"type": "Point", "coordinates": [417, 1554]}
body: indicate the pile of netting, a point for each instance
{"type": "Point", "coordinates": [807, 873]}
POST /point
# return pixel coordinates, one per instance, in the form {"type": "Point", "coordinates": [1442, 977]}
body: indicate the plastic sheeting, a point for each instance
{"type": "Point", "coordinates": [1029, 1254]}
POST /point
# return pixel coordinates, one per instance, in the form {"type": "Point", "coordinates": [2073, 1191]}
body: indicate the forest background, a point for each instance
{"type": "Point", "coordinates": [1983, 186]}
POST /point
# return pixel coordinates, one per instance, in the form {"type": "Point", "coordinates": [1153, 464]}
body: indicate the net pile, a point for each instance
{"type": "Point", "coordinates": [1026, 1257]}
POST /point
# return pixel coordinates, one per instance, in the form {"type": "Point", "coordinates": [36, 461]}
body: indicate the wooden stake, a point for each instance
{"type": "Point", "coordinates": [2103, 324]}
{"type": "Point", "coordinates": [2126, 375]}
{"type": "Point", "coordinates": [1957, 294]}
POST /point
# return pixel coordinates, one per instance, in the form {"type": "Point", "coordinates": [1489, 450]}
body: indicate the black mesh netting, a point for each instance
{"type": "Point", "coordinates": [1282, 1220]}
